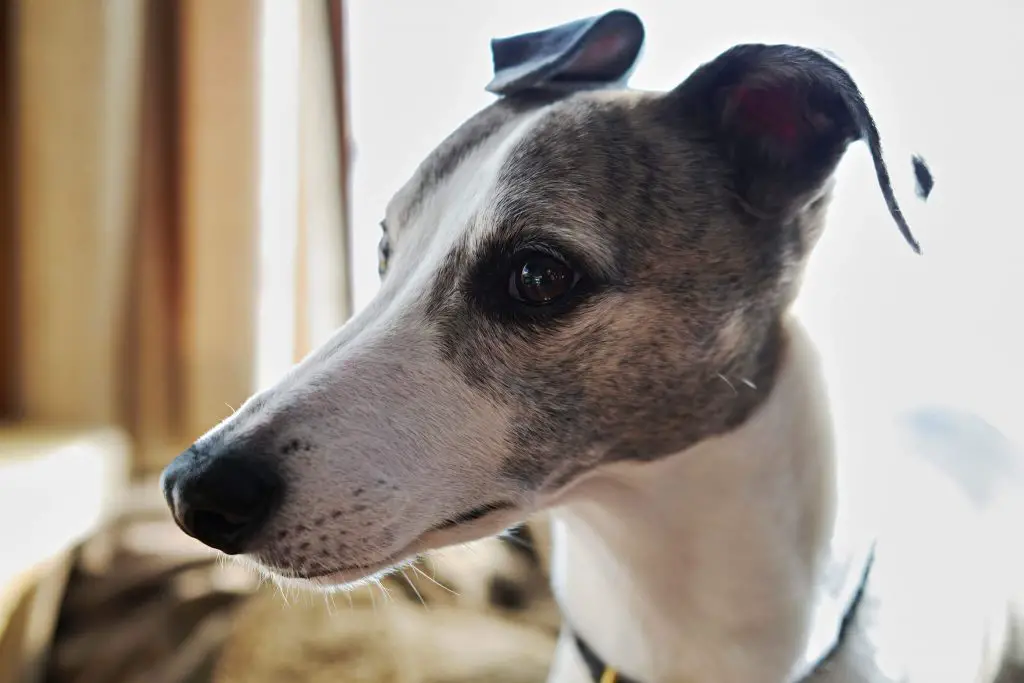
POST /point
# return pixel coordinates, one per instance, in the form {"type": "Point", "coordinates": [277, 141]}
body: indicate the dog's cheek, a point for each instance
{"type": "Point", "coordinates": [586, 382]}
{"type": "Point", "coordinates": [640, 366]}
{"type": "Point", "coordinates": [649, 371]}
{"type": "Point", "coordinates": [552, 424]}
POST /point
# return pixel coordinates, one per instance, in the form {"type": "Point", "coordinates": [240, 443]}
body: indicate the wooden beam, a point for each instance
{"type": "Point", "coordinates": [323, 289]}
{"type": "Point", "coordinates": [153, 396]}
{"type": "Point", "coordinates": [343, 139]}
{"type": "Point", "coordinates": [77, 113]}
{"type": "Point", "coordinates": [8, 213]}
{"type": "Point", "coordinates": [219, 184]}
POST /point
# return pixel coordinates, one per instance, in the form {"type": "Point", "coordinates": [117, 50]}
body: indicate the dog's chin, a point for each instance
{"type": "Point", "coordinates": [451, 532]}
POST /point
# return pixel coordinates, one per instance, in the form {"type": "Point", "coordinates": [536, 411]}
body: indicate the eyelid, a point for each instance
{"type": "Point", "coordinates": [536, 245]}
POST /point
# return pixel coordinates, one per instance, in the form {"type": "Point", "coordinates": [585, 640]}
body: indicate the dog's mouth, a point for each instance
{"type": "Point", "coordinates": [428, 540]}
{"type": "Point", "coordinates": [473, 515]}
{"type": "Point", "coordinates": [351, 573]}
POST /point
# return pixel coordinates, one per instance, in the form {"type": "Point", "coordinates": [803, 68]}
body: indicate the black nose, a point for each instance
{"type": "Point", "coordinates": [221, 499]}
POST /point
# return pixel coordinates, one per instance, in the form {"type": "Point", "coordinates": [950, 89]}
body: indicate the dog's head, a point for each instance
{"type": "Point", "coordinates": [578, 275]}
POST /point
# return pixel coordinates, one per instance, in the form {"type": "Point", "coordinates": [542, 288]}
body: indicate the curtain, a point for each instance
{"type": "Point", "coordinates": [133, 191]}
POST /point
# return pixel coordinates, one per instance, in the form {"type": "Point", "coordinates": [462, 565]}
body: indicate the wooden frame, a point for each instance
{"type": "Point", "coordinates": [77, 110]}
{"type": "Point", "coordinates": [219, 185]}
{"type": "Point", "coordinates": [8, 213]}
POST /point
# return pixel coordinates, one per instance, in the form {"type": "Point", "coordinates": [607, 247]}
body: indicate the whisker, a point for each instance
{"type": "Point", "coordinates": [414, 589]}
{"type": "Point", "coordinates": [433, 580]}
{"type": "Point", "coordinates": [284, 594]}
{"type": "Point", "coordinates": [329, 605]}
{"type": "Point", "coordinates": [386, 592]}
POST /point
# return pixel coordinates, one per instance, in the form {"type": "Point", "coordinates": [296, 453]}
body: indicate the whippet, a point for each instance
{"type": "Point", "coordinates": [587, 307]}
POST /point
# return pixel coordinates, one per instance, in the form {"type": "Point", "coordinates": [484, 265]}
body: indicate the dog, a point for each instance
{"type": "Point", "coordinates": [587, 307]}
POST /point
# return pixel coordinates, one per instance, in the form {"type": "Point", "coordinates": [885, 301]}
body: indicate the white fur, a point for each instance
{"type": "Point", "coordinates": [707, 562]}
{"type": "Point", "coordinates": [735, 560]}
{"type": "Point", "coordinates": [383, 416]}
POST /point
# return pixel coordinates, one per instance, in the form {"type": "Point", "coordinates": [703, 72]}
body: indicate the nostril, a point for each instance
{"type": "Point", "coordinates": [208, 524]}
{"type": "Point", "coordinates": [225, 524]}
{"type": "Point", "coordinates": [221, 520]}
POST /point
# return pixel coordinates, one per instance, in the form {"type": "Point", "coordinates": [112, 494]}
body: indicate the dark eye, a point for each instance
{"type": "Point", "coordinates": [383, 254]}
{"type": "Point", "coordinates": [539, 278]}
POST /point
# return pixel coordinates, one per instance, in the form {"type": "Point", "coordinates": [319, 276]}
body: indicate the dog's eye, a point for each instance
{"type": "Point", "coordinates": [383, 254]}
{"type": "Point", "coordinates": [539, 278]}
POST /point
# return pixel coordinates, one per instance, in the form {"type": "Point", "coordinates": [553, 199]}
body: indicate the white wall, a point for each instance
{"type": "Point", "coordinates": [941, 79]}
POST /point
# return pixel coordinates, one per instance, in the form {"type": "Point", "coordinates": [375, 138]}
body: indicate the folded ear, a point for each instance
{"type": "Point", "coordinates": [782, 116]}
{"type": "Point", "coordinates": [595, 52]}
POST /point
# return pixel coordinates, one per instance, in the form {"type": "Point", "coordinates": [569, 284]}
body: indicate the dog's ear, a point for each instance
{"type": "Point", "coordinates": [782, 116]}
{"type": "Point", "coordinates": [597, 52]}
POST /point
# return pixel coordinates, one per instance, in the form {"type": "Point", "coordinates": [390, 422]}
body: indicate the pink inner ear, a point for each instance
{"type": "Point", "coordinates": [775, 113]}
{"type": "Point", "coordinates": [598, 53]}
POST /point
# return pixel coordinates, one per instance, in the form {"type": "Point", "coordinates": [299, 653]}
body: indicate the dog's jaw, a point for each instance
{"type": "Point", "coordinates": [711, 564]}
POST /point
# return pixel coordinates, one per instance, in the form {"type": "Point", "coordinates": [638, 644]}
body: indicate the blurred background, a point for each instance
{"type": "Point", "coordinates": [189, 199]}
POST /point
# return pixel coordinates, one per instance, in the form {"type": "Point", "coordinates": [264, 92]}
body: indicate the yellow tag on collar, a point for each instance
{"type": "Point", "coordinates": [610, 675]}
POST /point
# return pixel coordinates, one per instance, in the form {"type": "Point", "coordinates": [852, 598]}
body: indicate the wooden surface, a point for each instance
{"type": "Point", "coordinates": [57, 486]}
{"type": "Point", "coordinates": [164, 609]}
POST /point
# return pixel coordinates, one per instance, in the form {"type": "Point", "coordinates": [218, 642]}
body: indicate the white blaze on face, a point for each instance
{"type": "Point", "coordinates": [379, 438]}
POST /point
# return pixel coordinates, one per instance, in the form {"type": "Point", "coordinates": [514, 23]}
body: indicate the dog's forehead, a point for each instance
{"type": "Point", "coordinates": [516, 156]}
{"type": "Point", "coordinates": [476, 140]}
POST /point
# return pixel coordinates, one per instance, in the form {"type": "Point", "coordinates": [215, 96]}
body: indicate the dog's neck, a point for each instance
{"type": "Point", "coordinates": [729, 562]}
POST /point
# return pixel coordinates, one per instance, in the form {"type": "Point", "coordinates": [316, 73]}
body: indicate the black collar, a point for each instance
{"type": "Point", "coordinates": [601, 672]}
